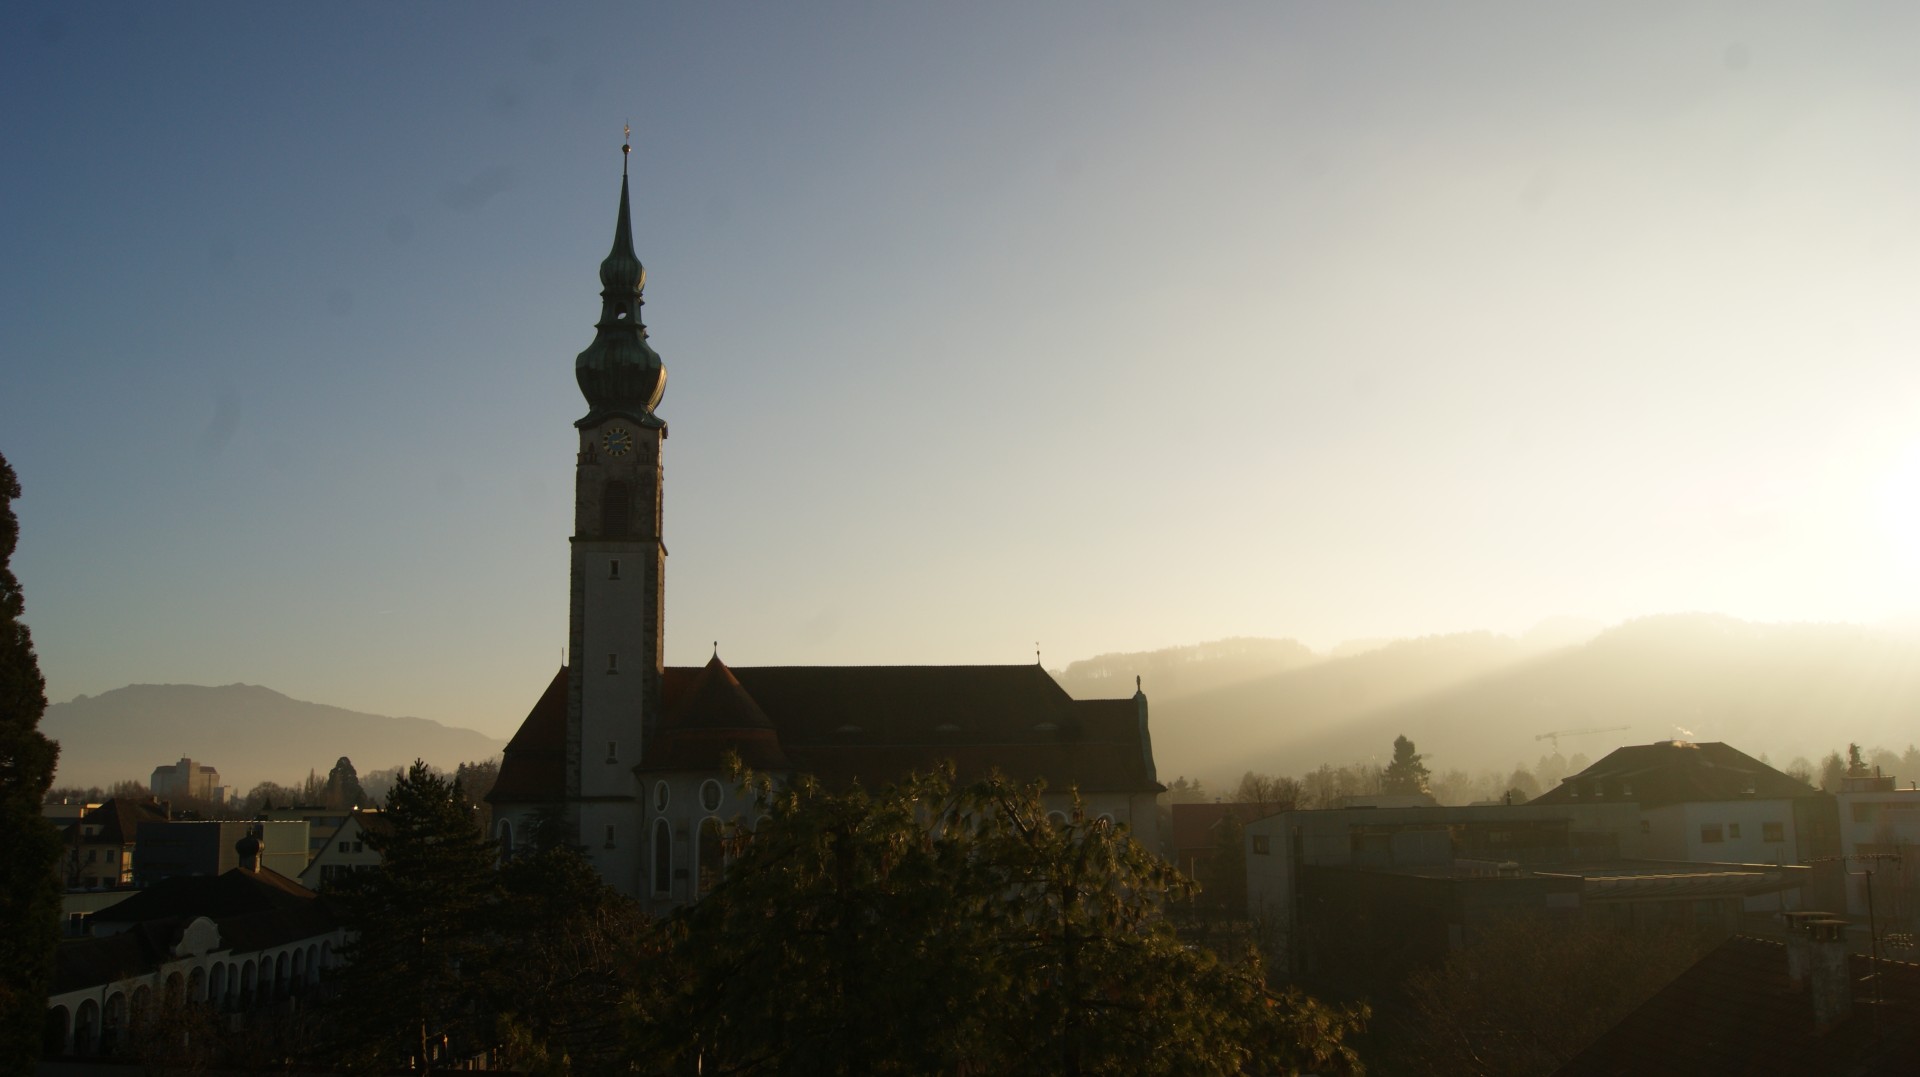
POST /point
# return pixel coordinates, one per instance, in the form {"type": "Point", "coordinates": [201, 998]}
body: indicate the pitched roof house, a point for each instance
{"type": "Point", "coordinates": [1757, 1007]}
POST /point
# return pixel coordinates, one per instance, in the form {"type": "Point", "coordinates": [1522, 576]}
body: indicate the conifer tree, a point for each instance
{"type": "Point", "coordinates": [29, 891]}
{"type": "Point", "coordinates": [411, 986]}
{"type": "Point", "coordinates": [1406, 774]}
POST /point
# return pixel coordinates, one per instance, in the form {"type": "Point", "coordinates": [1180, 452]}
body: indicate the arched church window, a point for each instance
{"type": "Point", "coordinates": [710, 795]}
{"type": "Point", "coordinates": [662, 855]}
{"type": "Point", "coordinates": [506, 839]}
{"type": "Point", "coordinates": [661, 794]}
{"type": "Point", "coordinates": [616, 509]}
{"type": "Point", "coordinates": [712, 856]}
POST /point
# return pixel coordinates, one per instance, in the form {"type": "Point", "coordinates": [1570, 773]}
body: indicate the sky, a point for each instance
{"type": "Point", "coordinates": [1085, 326]}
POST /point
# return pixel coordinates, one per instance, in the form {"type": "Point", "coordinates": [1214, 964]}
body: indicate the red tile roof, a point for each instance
{"type": "Point", "coordinates": [1674, 772]}
{"type": "Point", "coordinates": [1735, 1012]}
{"type": "Point", "coordinates": [873, 723]}
{"type": "Point", "coordinates": [533, 765]}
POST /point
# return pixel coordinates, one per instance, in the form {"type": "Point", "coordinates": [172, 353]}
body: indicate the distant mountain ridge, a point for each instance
{"type": "Point", "coordinates": [249, 733]}
{"type": "Point", "coordinates": [1479, 701]}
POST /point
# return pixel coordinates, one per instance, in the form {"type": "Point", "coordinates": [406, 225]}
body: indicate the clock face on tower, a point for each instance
{"type": "Point", "coordinates": [618, 441]}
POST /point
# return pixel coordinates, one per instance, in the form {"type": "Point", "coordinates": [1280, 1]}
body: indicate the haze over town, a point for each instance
{"type": "Point", "coordinates": [1098, 329]}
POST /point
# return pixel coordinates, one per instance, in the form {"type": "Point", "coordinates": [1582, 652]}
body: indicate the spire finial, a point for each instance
{"type": "Point", "coordinates": [716, 648]}
{"type": "Point", "coordinates": [626, 147]}
{"type": "Point", "coordinates": [1036, 652]}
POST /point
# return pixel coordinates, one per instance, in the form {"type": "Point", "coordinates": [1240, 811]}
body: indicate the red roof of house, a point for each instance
{"type": "Point", "coordinates": [1735, 1012]}
{"type": "Point", "coordinates": [872, 723]}
{"type": "Point", "coordinates": [1676, 772]}
{"type": "Point", "coordinates": [533, 767]}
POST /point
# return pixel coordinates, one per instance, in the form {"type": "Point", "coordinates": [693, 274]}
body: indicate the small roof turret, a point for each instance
{"type": "Point", "coordinates": [620, 373]}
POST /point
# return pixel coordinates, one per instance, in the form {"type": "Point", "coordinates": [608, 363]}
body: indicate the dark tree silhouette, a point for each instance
{"type": "Point", "coordinates": [1406, 774]}
{"type": "Point", "coordinates": [29, 891]}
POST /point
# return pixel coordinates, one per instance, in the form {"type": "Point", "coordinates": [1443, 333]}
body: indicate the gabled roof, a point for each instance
{"type": "Point", "coordinates": [254, 910]}
{"type": "Point", "coordinates": [867, 723]}
{"type": "Point", "coordinates": [533, 765]}
{"type": "Point", "coordinates": [231, 893]}
{"type": "Point", "coordinates": [1676, 772]}
{"type": "Point", "coordinates": [708, 718]}
{"type": "Point", "coordinates": [119, 820]}
{"type": "Point", "coordinates": [1736, 1012]}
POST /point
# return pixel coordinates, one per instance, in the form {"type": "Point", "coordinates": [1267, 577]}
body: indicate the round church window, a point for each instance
{"type": "Point", "coordinates": [710, 795]}
{"type": "Point", "coordinates": [660, 796]}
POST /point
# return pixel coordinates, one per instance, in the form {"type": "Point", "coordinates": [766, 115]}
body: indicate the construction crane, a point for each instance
{"type": "Point", "coordinates": [1558, 733]}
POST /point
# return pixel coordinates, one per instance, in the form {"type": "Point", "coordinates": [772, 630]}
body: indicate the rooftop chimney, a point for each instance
{"type": "Point", "coordinates": [1800, 944]}
{"type": "Point", "coordinates": [1829, 972]}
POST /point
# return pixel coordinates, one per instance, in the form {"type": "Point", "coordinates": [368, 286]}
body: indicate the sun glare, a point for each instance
{"type": "Point", "coordinates": [1900, 515]}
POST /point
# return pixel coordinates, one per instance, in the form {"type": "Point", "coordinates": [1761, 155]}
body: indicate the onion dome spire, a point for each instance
{"type": "Point", "coordinates": [619, 373]}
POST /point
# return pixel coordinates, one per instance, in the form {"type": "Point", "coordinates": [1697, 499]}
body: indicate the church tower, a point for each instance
{"type": "Point", "coordinates": [615, 618]}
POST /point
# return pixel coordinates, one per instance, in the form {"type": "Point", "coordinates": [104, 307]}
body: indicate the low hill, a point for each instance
{"type": "Point", "coordinates": [1480, 701]}
{"type": "Point", "coordinates": [250, 734]}
{"type": "Point", "coordinates": [1261, 724]}
{"type": "Point", "coordinates": [1183, 671]}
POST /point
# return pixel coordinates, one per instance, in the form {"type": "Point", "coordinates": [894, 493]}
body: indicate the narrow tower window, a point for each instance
{"type": "Point", "coordinates": [613, 569]}
{"type": "Point", "coordinates": [613, 663]}
{"type": "Point", "coordinates": [616, 509]}
{"type": "Point", "coordinates": [613, 755]}
{"type": "Point", "coordinates": [609, 835]}
{"type": "Point", "coordinates": [662, 857]}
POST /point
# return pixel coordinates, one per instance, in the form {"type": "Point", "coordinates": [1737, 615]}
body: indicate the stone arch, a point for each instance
{"type": "Point", "coordinates": [282, 975]}
{"type": "Point", "coordinates": [217, 983]}
{"type": "Point", "coordinates": [506, 840]}
{"type": "Point", "coordinates": [176, 987]}
{"type": "Point", "coordinates": [56, 1037]}
{"type": "Point", "coordinates": [142, 1005]}
{"type": "Point", "coordinates": [197, 984]}
{"type": "Point", "coordinates": [249, 983]}
{"type": "Point", "coordinates": [86, 1028]}
{"type": "Point", "coordinates": [313, 963]}
{"type": "Point", "coordinates": [113, 1024]}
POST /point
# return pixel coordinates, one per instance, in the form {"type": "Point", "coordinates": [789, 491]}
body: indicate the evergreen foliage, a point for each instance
{"type": "Point", "coordinates": [927, 929]}
{"type": "Point", "coordinates": [1406, 774]}
{"type": "Point", "coordinates": [421, 947]}
{"type": "Point", "coordinates": [29, 889]}
{"type": "Point", "coordinates": [343, 787]}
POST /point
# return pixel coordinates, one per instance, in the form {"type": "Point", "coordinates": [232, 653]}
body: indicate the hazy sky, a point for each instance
{"type": "Point", "coordinates": [1100, 325]}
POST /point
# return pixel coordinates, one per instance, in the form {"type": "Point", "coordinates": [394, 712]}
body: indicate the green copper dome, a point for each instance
{"type": "Point", "coordinates": [619, 373]}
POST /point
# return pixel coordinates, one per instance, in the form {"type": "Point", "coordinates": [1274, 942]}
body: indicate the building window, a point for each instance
{"type": "Point", "coordinates": [506, 839]}
{"type": "Point", "coordinates": [662, 854]}
{"type": "Point", "coordinates": [661, 794]}
{"type": "Point", "coordinates": [1733, 831]}
{"type": "Point", "coordinates": [1057, 818]}
{"type": "Point", "coordinates": [1710, 832]}
{"type": "Point", "coordinates": [710, 795]}
{"type": "Point", "coordinates": [1773, 832]}
{"type": "Point", "coordinates": [613, 751]}
{"type": "Point", "coordinates": [1260, 844]}
{"type": "Point", "coordinates": [616, 509]}
{"type": "Point", "coordinates": [712, 856]}
{"type": "Point", "coordinates": [613, 663]}
{"type": "Point", "coordinates": [609, 835]}
{"type": "Point", "coordinates": [613, 569]}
